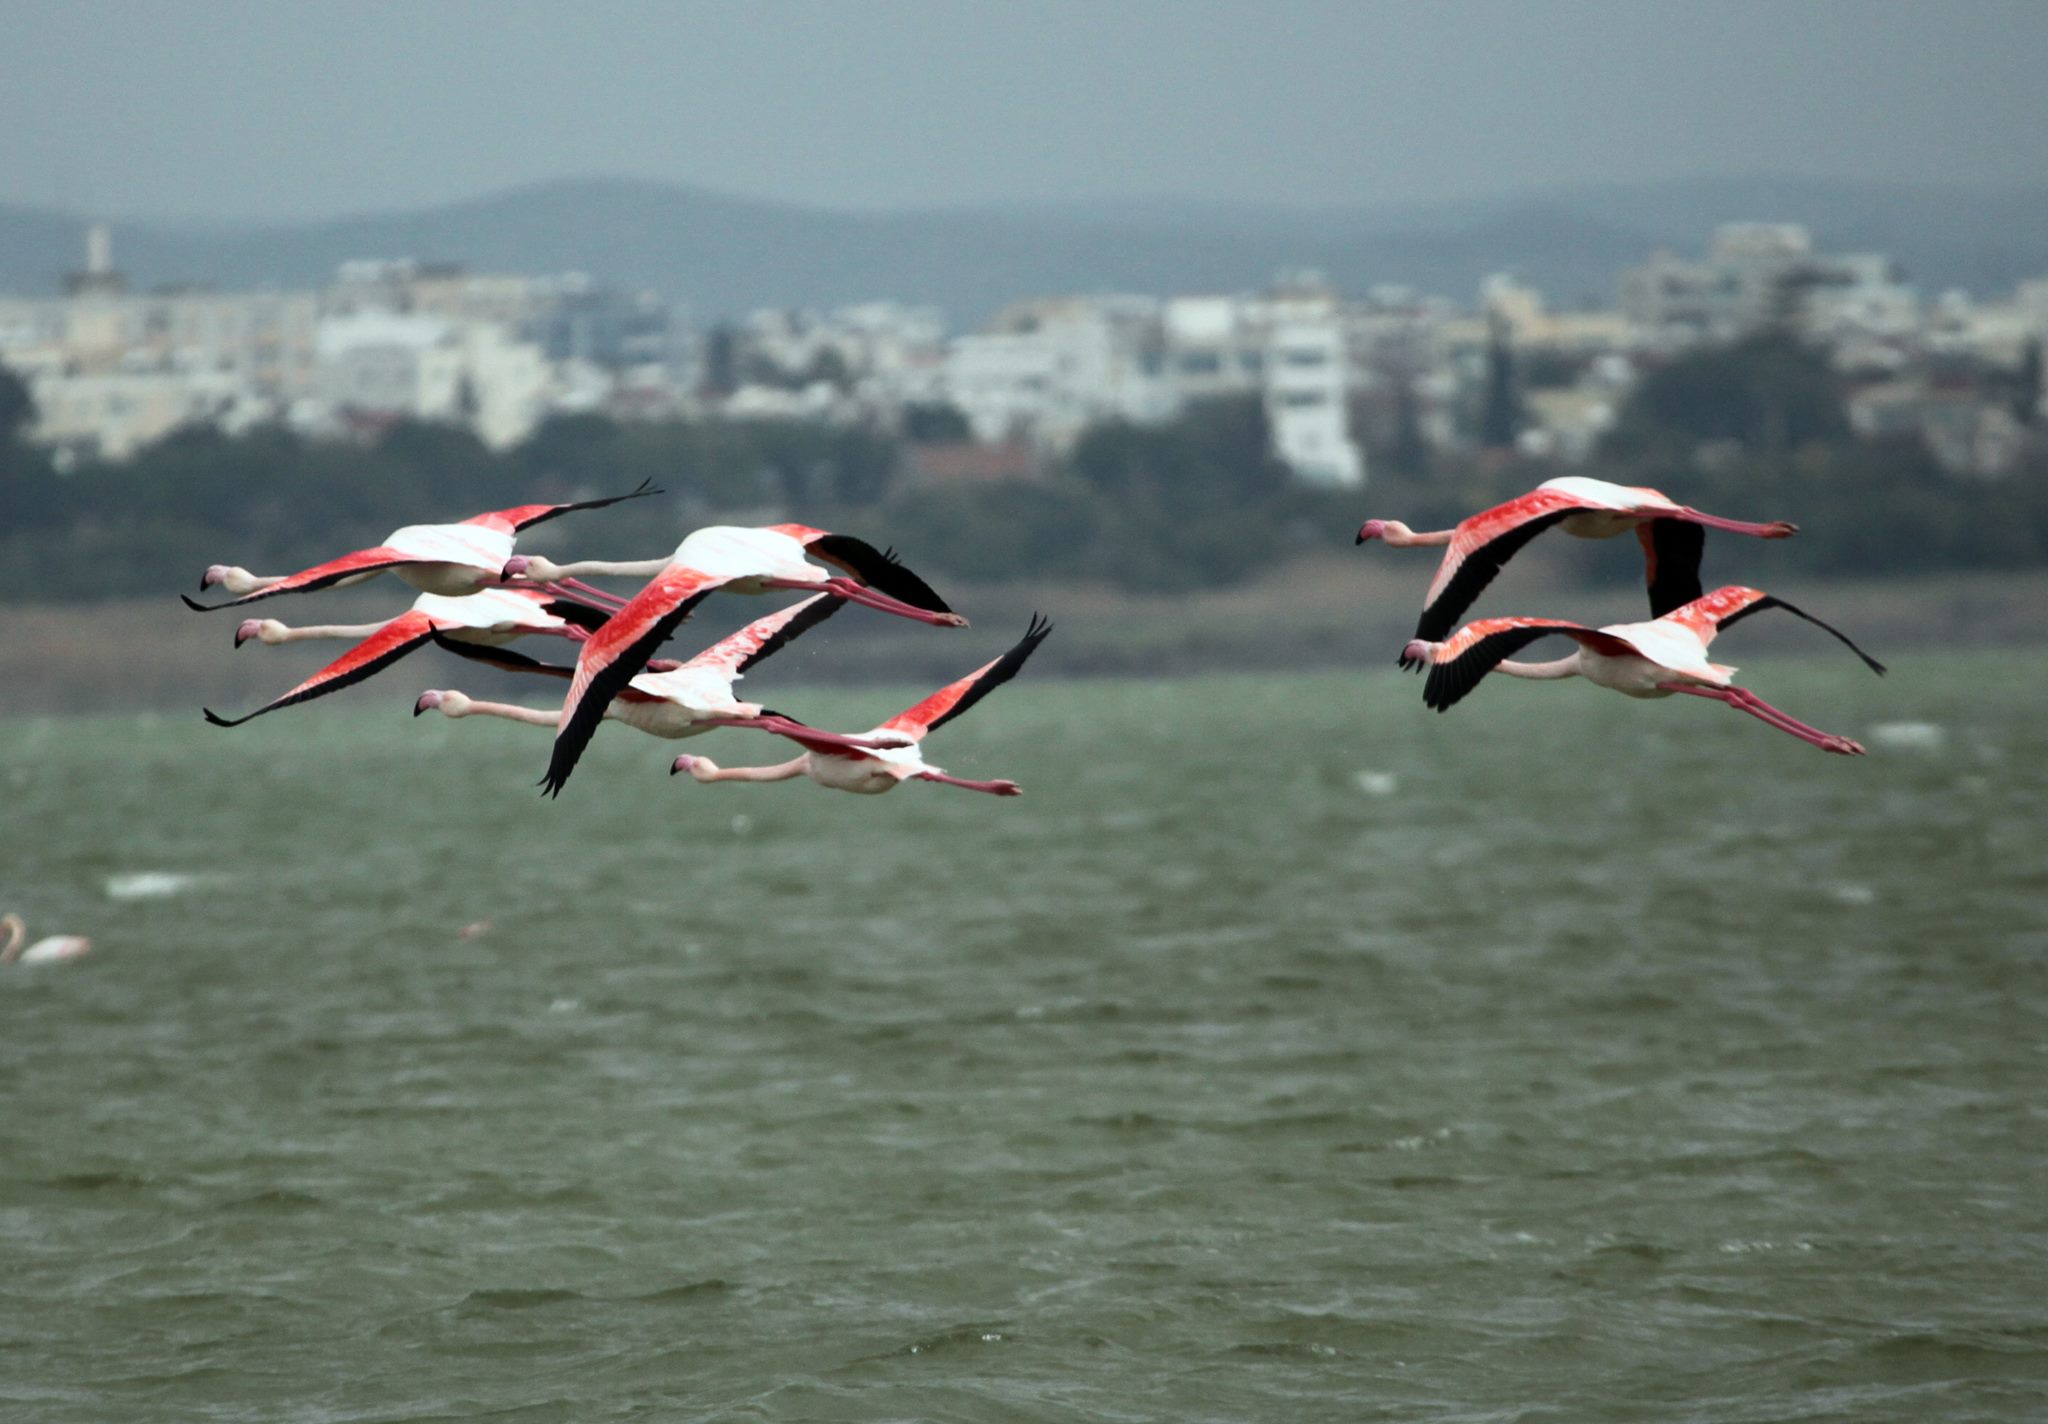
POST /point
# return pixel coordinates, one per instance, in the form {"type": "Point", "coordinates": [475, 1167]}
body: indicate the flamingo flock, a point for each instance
{"type": "Point", "coordinates": [477, 595]}
{"type": "Point", "coordinates": [1663, 657]}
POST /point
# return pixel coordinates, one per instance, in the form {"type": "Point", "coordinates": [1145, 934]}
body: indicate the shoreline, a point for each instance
{"type": "Point", "coordinates": [1321, 612]}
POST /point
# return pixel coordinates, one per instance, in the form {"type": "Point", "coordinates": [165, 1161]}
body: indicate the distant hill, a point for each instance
{"type": "Point", "coordinates": [723, 254]}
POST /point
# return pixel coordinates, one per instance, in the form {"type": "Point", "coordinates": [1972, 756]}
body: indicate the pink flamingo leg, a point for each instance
{"type": "Point", "coordinates": [590, 593]}
{"type": "Point", "coordinates": [860, 593]}
{"type": "Point", "coordinates": [1743, 700]}
{"type": "Point", "coordinates": [790, 728]}
{"type": "Point", "coordinates": [1778, 529]}
{"type": "Point", "coordinates": [993, 788]}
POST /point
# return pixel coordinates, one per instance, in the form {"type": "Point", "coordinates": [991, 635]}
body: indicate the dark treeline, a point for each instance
{"type": "Point", "coordinates": [1755, 430]}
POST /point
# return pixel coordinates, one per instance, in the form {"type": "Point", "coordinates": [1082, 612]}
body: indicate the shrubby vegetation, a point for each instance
{"type": "Point", "coordinates": [1753, 430]}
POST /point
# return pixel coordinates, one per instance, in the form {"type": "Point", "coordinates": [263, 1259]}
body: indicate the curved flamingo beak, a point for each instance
{"type": "Point", "coordinates": [247, 631]}
{"type": "Point", "coordinates": [215, 573]}
{"type": "Point", "coordinates": [681, 764]}
{"type": "Point", "coordinates": [515, 567]}
{"type": "Point", "coordinates": [1416, 654]}
{"type": "Point", "coordinates": [428, 701]}
{"type": "Point", "coordinates": [1370, 530]}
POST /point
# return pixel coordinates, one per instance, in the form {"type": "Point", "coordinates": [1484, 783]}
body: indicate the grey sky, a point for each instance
{"type": "Point", "coordinates": [267, 109]}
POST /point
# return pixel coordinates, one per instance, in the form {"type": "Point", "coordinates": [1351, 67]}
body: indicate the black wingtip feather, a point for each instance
{"type": "Point", "coordinates": [197, 607]}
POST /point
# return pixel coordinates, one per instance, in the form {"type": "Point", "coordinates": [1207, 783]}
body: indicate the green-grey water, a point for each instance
{"type": "Point", "coordinates": [1286, 1053]}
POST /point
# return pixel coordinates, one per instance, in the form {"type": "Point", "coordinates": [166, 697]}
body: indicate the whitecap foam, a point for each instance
{"type": "Point", "coordinates": [1377, 783]}
{"type": "Point", "coordinates": [152, 884]}
{"type": "Point", "coordinates": [1910, 736]}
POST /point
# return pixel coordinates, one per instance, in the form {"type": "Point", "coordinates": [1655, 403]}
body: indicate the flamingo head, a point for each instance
{"type": "Point", "coordinates": [683, 763]}
{"type": "Point", "coordinates": [1370, 530]}
{"type": "Point", "coordinates": [1415, 656]}
{"type": "Point", "coordinates": [215, 573]}
{"type": "Point", "coordinates": [515, 567]}
{"type": "Point", "coordinates": [267, 629]}
{"type": "Point", "coordinates": [453, 704]}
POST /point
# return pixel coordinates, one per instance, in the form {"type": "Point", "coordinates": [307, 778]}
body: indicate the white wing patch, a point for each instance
{"type": "Point", "coordinates": [469, 544]}
{"type": "Point", "coordinates": [729, 551]}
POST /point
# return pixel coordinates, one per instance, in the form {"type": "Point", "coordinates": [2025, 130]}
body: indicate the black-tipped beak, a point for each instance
{"type": "Point", "coordinates": [1359, 540]}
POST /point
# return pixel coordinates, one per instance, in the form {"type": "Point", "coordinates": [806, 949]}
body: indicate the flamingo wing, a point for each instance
{"type": "Point", "coordinates": [615, 655]}
{"type": "Point", "coordinates": [1671, 562]}
{"type": "Point", "coordinates": [879, 569]}
{"type": "Point", "coordinates": [525, 516]}
{"type": "Point", "coordinates": [1458, 663]}
{"type": "Point", "coordinates": [765, 637]}
{"type": "Point", "coordinates": [1480, 547]}
{"type": "Point", "coordinates": [955, 698]}
{"type": "Point", "coordinates": [503, 659]}
{"type": "Point", "coordinates": [1725, 607]}
{"type": "Point", "coordinates": [362, 561]}
{"type": "Point", "coordinates": [380, 650]}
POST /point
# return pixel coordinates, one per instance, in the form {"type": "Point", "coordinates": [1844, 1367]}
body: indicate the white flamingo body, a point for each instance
{"type": "Point", "coordinates": [50, 950]}
{"type": "Point", "coordinates": [1663, 651]}
{"type": "Point", "coordinates": [492, 616]}
{"type": "Point", "coordinates": [454, 559]}
{"type": "Point", "coordinates": [747, 558]}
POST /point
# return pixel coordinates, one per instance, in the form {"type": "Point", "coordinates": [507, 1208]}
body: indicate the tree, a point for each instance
{"type": "Point", "coordinates": [17, 406]}
{"type": "Point", "coordinates": [1500, 412]}
{"type": "Point", "coordinates": [934, 423]}
{"type": "Point", "coordinates": [1765, 392]}
{"type": "Point", "coordinates": [721, 361]}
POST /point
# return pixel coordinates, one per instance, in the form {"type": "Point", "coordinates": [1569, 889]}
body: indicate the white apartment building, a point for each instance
{"type": "Point", "coordinates": [1290, 349]}
{"type": "Point", "coordinates": [431, 368]}
{"type": "Point", "coordinates": [1050, 369]}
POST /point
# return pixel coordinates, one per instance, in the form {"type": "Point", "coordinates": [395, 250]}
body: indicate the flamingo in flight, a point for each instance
{"type": "Point", "coordinates": [1672, 536]}
{"type": "Point", "coordinates": [735, 560]}
{"type": "Point", "coordinates": [683, 699]}
{"type": "Point", "coordinates": [474, 626]}
{"type": "Point", "coordinates": [872, 770]}
{"type": "Point", "coordinates": [1655, 659]}
{"type": "Point", "coordinates": [43, 951]}
{"type": "Point", "coordinates": [449, 559]}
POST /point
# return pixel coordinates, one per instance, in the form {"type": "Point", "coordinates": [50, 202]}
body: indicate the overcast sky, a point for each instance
{"type": "Point", "coordinates": [286, 110]}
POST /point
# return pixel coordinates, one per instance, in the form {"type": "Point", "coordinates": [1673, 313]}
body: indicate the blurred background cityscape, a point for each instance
{"type": "Point", "coordinates": [1748, 256]}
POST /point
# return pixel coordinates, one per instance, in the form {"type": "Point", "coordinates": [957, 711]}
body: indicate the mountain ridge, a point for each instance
{"type": "Point", "coordinates": [723, 254]}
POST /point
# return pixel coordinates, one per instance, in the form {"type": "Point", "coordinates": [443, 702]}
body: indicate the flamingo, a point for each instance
{"type": "Point", "coordinates": [448, 559]}
{"type": "Point", "coordinates": [1672, 536]}
{"type": "Point", "coordinates": [872, 770]}
{"type": "Point", "coordinates": [43, 951]}
{"type": "Point", "coordinates": [719, 557]}
{"type": "Point", "coordinates": [772, 556]}
{"type": "Point", "coordinates": [1655, 659]}
{"type": "Point", "coordinates": [683, 699]}
{"type": "Point", "coordinates": [474, 626]}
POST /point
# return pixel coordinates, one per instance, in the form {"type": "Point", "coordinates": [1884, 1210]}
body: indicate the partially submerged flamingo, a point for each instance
{"type": "Point", "coordinates": [1655, 659]}
{"type": "Point", "coordinates": [49, 950]}
{"type": "Point", "coordinates": [684, 699]}
{"type": "Point", "coordinates": [872, 770]}
{"type": "Point", "coordinates": [1672, 536]}
{"type": "Point", "coordinates": [448, 559]}
{"type": "Point", "coordinates": [475, 626]}
{"type": "Point", "coordinates": [718, 558]}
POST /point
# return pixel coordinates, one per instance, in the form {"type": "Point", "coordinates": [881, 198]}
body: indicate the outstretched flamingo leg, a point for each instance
{"type": "Point", "coordinates": [585, 593]}
{"type": "Point", "coordinates": [1743, 700]}
{"type": "Point", "coordinates": [860, 593]}
{"type": "Point", "coordinates": [993, 788]}
{"type": "Point", "coordinates": [1778, 529]}
{"type": "Point", "coordinates": [771, 722]}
